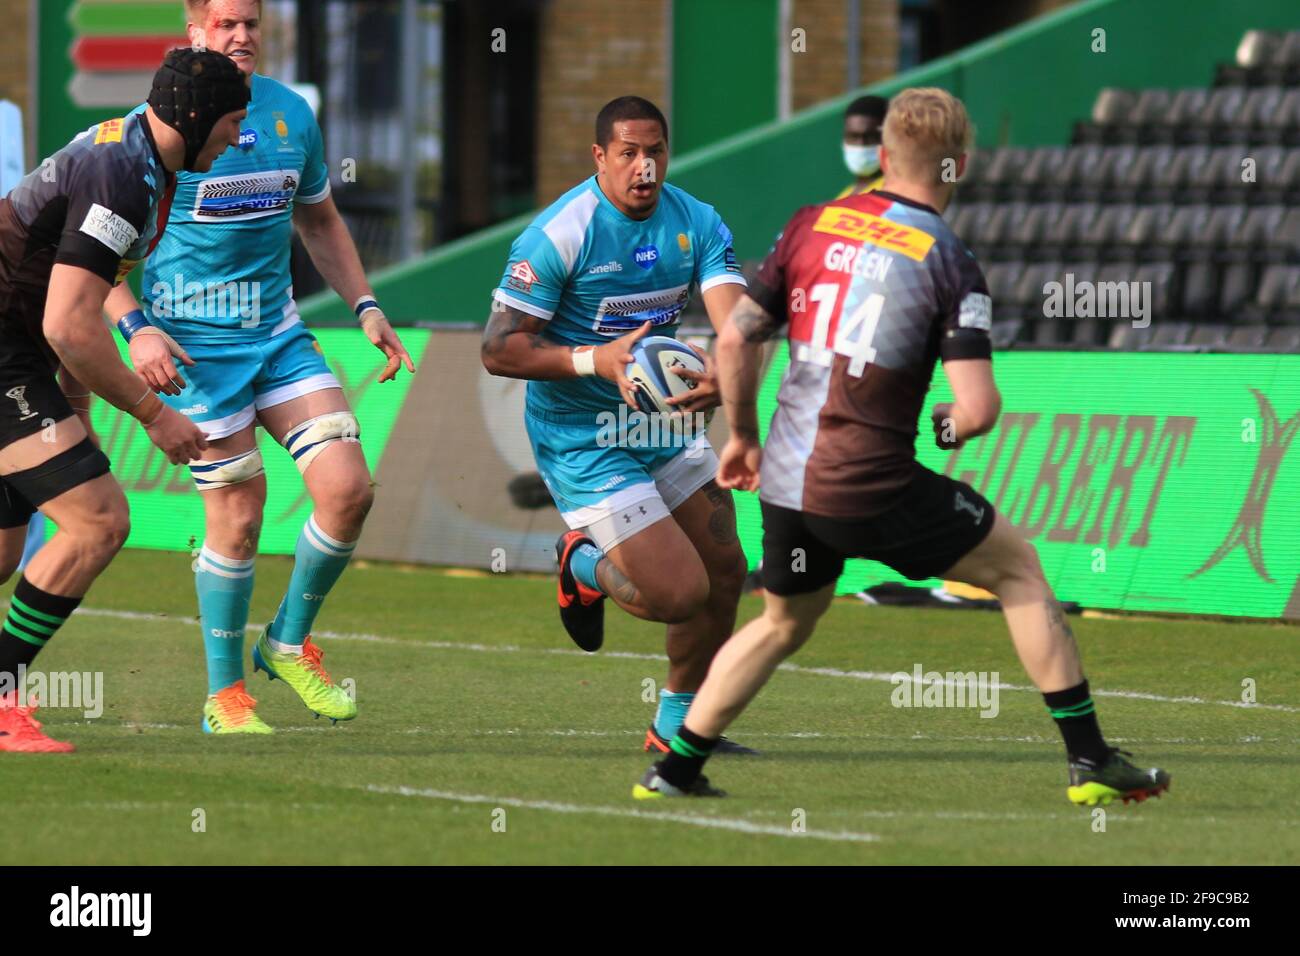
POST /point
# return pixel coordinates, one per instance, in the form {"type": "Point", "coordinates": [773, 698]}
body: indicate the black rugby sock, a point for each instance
{"type": "Point", "coordinates": [687, 752]}
{"type": "Point", "coordinates": [34, 617]}
{"type": "Point", "coordinates": [1076, 717]}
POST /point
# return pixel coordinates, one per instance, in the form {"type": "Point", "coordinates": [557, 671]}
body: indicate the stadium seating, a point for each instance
{"type": "Point", "coordinates": [1152, 189]}
{"type": "Point", "coordinates": [1196, 191]}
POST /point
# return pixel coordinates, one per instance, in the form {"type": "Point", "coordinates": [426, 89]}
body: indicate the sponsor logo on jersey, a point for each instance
{"type": "Point", "coordinates": [522, 276]}
{"type": "Point", "coordinates": [611, 484]}
{"type": "Point", "coordinates": [645, 256]}
{"type": "Point", "coordinates": [245, 196]}
{"type": "Point", "coordinates": [864, 227]}
{"type": "Point", "coordinates": [110, 131]}
{"type": "Point", "coordinates": [199, 409]}
{"type": "Point", "coordinates": [612, 266]}
{"type": "Point", "coordinates": [976, 312]}
{"type": "Point", "coordinates": [124, 269]}
{"type": "Point", "coordinates": [618, 314]}
{"type": "Point", "coordinates": [247, 138]}
{"type": "Point", "coordinates": [109, 228]}
{"type": "Point", "coordinates": [959, 503]}
{"type": "Point", "coordinates": [24, 410]}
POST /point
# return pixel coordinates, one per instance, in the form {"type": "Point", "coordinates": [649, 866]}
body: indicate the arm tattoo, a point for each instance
{"type": "Point", "coordinates": [504, 324]}
{"type": "Point", "coordinates": [755, 323]}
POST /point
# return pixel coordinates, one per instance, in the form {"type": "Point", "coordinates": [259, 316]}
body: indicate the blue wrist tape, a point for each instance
{"type": "Point", "coordinates": [132, 323]}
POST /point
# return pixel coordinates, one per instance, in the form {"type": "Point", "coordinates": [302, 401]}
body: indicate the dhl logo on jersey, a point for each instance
{"type": "Point", "coordinates": [124, 268]}
{"type": "Point", "coordinates": [110, 131]}
{"type": "Point", "coordinates": [864, 227]}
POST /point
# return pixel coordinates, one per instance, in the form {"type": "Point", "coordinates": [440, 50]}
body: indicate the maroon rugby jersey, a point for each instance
{"type": "Point", "coordinates": [874, 289]}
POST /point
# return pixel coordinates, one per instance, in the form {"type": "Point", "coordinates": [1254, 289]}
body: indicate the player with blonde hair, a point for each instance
{"type": "Point", "coordinates": [250, 361]}
{"type": "Point", "coordinates": [892, 291]}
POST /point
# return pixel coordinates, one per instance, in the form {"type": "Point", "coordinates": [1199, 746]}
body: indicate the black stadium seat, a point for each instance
{"type": "Point", "coordinates": [1170, 333]}
{"type": "Point", "coordinates": [1036, 179]}
{"type": "Point", "coordinates": [1209, 335]}
{"type": "Point", "coordinates": [1145, 118]}
{"type": "Point", "coordinates": [1194, 191]}
{"type": "Point", "coordinates": [1248, 337]}
{"type": "Point", "coordinates": [1251, 239]}
{"type": "Point", "coordinates": [1028, 293]}
{"type": "Point", "coordinates": [1200, 289]}
{"type": "Point", "coordinates": [1160, 275]}
{"type": "Point", "coordinates": [1283, 340]}
{"type": "Point", "coordinates": [1002, 278]}
{"type": "Point", "coordinates": [1227, 118]}
{"type": "Point", "coordinates": [1236, 287]}
{"type": "Point", "coordinates": [1125, 337]}
{"type": "Point", "coordinates": [1144, 235]}
{"type": "Point", "coordinates": [1273, 294]}
{"type": "Point", "coordinates": [1113, 106]}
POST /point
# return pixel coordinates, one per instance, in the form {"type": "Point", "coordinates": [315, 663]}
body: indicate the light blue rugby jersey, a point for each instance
{"type": "Point", "coordinates": [595, 274]}
{"type": "Point", "coordinates": [234, 224]}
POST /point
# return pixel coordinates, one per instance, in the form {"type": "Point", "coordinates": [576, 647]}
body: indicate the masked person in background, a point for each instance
{"type": "Point", "coordinates": [863, 121]}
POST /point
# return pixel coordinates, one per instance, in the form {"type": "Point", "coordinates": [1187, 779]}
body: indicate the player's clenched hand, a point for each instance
{"type": "Point", "coordinates": [705, 394]}
{"type": "Point", "coordinates": [381, 335]}
{"type": "Point", "coordinates": [178, 437]}
{"type": "Point", "coordinates": [612, 358]}
{"type": "Point", "coordinates": [739, 463]}
{"type": "Point", "coordinates": [945, 428]}
{"type": "Point", "coordinates": [152, 352]}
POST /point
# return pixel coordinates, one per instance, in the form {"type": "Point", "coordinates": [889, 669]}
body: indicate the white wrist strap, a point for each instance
{"type": "Point", "coordinates": [365, 304]}
{"type": "Point", "coordinates": [584, 360]}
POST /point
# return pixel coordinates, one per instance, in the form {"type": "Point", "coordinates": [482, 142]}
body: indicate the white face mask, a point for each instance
{"type": "Point", "coordinates": [862, 160]}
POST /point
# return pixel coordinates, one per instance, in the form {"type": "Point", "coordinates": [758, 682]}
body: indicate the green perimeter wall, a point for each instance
{"type": "Point", "coordinates": [723, 88]}
{"type": "Point", "coordinates": [166, 509]}
{"type": "Point", "coordinates": [1147, 481]}
{"type": "Point", "coordinates": [1026, 87]}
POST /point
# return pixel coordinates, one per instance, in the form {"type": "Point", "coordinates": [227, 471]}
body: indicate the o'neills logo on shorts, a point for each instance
{"type": "Point", "coordinates": [24, 409]}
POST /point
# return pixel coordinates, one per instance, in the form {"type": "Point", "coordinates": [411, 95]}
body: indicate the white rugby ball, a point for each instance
{"type": "Point", "coordinates": [654, 360]}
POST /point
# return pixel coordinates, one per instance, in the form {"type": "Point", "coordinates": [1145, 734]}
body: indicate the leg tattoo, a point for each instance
{"type": "Point", "coordinates": [722, 521]}
{"type": "Point", "coordinates": [617, 585]}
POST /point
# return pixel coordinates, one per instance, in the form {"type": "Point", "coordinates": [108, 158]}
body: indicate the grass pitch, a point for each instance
{"type": "Point", "coordinates": [484, 737]}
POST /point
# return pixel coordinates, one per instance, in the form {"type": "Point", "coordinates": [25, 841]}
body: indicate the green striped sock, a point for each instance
{"type": "Point", "coordinates": [687, 752]}
{"type": "Point", "coordinates": [34, 617]}
{"type": "Point", "coordinates": [1076, 718]}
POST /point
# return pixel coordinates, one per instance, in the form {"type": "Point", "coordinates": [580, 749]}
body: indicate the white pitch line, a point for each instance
{"type": "Point", "coordinates": [766, 734]}
{"type": "Point", "coordinates": [715, 823]}
{"type": "Point", "coordinates": [880, 676]}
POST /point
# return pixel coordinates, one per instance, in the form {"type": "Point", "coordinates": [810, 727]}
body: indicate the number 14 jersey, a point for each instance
{"type": "Point", "coordinates": [873, 290]}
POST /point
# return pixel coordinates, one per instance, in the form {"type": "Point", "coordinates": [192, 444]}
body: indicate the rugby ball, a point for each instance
{"type": "Point", "coordinates": [651, 370]}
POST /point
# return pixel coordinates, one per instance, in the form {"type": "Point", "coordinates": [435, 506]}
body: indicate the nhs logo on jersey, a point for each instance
{"type": "Point", "coordinates": [645, 256]}
{"type": "Point", "coordinates": [618, 314]}
{"type": "Point", "coordinates": [246, 196]}
{"type": "Point", "coordinates": [247, 138]}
